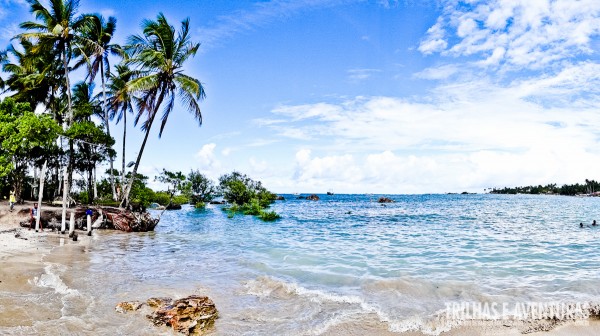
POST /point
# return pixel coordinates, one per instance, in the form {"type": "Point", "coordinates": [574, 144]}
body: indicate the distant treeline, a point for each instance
{"type": "Point", "coordinates": [590, 186]}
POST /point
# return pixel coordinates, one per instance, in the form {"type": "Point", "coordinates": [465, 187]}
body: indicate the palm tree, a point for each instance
{"type": "Point", "coordinates": [94, 144]}
{"type": "Point", "coordinates": [32, 78]}
{"type": "Point", "coordinates": [120, 102]}
{"type": "Point", "coordinates": [160, 54]}
{"type": "Point", "coordinates": [56, 31]}
{"type": "Point", "coordinates": [95, 48]}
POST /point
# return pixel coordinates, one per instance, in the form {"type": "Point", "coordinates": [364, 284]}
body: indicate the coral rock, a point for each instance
{"type": "Point", "coordinates": [191, 315]}
{"type": "Point", "coordinates": [128, 306]}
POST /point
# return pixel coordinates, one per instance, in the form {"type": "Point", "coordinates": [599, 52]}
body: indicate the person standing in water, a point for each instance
{"type": "Point", "coordinates": [594, 223]}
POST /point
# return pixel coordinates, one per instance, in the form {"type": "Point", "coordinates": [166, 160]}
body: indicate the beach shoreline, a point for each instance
{"type": "Point", "coordinates": [25, 262]}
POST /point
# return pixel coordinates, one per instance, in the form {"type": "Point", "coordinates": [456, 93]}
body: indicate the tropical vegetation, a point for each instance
{"type": "Point", "coordinates": [246, 196]}
{"type": "Point", "coordinates": [46, 120]}
{"type": "Point", "coordinates": [589, 187]}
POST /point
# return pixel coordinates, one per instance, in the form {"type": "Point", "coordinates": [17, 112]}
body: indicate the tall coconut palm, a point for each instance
{"type": "Point", "coordinates": [56, 30]}
{"type": "Point", "coordinates": [95, 48]}
{"type": "Point", "coordinates": [160, 54]}
{"type": "Point", "coordinates": [120, 102]}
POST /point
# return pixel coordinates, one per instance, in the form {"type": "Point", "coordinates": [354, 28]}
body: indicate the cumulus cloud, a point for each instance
{"type": "Point", "coordinates": [207, 161]}
{"type": "Point", "coordinates": [435, 41]}
{"type": "Point", "coordinates": [470, 135]}
{"type": "Point", "coordinates": [388, 172]}
{"type": "Point", "coordinates": [515, 34]}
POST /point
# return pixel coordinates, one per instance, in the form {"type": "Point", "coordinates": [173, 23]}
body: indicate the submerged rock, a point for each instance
{"type": "Point", "coordinates": [385, 200]}
{"type": "Point", "coordinates": [174, 206]}
{"type": "Point", "coordinates": [191, 315]}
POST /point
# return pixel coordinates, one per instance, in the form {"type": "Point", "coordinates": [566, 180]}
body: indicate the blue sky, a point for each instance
{"type": "Point", "coordinates": [379, 96]}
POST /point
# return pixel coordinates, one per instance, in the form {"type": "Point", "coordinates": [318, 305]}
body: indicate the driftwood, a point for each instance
{"type": "Point", "coordinates": [102, 218]}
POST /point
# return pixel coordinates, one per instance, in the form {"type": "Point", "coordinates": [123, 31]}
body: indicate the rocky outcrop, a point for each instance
{"type": "Point", "coordinates": [217, 202]}
{"type": "Point", "coordinates": [385, 200]}
{"type": "Point", "coordinates": [312, 197]}
{"type": "Point", "coordinates": [192, 315]}
{"type": "Point", "coordinates": [280, 198]}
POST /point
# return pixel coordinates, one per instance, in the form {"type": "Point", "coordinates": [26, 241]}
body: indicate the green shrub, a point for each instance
{"type": "Point", "coordinates": [180, 199]}
{"type": "Point", "coordinates": [265, 198]}
{"type": "Point", "coordinates": [269, 216]}
{"type": "Point", "coordinates": [161, 197]}
{"type": "Point", "coordinates": [253, 208]}
{"type": "Point", "coordinates": [200, 205]}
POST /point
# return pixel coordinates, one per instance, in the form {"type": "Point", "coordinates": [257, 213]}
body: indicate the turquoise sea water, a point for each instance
{"type": "Point", "coordinates": [347, 258]}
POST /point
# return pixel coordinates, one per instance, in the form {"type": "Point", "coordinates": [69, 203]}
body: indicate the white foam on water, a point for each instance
{"type": "Point", "coordinates": [433, 323]}
{"type": "Point", "coordinates": [73, 302]}
{"type": "Point", "coordinates": [265, 287]}
{"type": "Point", "coordinates": [51, 279]}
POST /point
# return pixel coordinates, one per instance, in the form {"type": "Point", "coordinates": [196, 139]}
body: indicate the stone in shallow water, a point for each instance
{"type": "Point", "coordinates": [128, 306]}
{"type": "Point", "coordinates": [191, 315]}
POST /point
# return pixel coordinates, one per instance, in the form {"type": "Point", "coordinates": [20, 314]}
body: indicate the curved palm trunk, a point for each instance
{"type": "Point", "coordinates": [125, 201]}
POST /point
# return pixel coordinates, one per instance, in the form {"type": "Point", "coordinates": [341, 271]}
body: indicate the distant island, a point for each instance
{"type": "Point", "coordinates": [590, 187]}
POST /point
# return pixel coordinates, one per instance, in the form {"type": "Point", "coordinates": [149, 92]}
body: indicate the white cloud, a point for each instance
{"type": "Point", "coordinates": [226, 151]}
{"type": "Point", "coordinates": [463, 136]}
{"type": "Point", "coordinates": [515, 33]}
{"type": "Point", "coordinates": [208, 162]}
{"type": "Point", "coordinates": [257, 166]}
{"type": "Point", "coordinates": [317, 171]}
{"type": "Point", "coordinates": [356, 75]}
{"type": "Point", "coordinates": [435, 41]}
{"type": "Point", "coordinates": [439, 72]}
{"type": "Point", "coordinates": [387, 172]}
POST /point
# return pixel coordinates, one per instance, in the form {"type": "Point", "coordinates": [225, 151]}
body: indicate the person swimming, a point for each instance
{"type": "Point", "coordinates": [594, 223]}
{"type": "Point", "coordinates": [581, 224]}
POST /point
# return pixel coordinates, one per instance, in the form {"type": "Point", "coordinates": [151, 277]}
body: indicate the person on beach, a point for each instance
{"type": "Point", "coordinates": [33, 214]}
{"type": "Point", "coordinates": [12, 200]}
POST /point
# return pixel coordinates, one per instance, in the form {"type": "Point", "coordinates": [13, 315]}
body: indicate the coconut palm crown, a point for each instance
{"type": "Point", "coordinates": [159, 54]}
